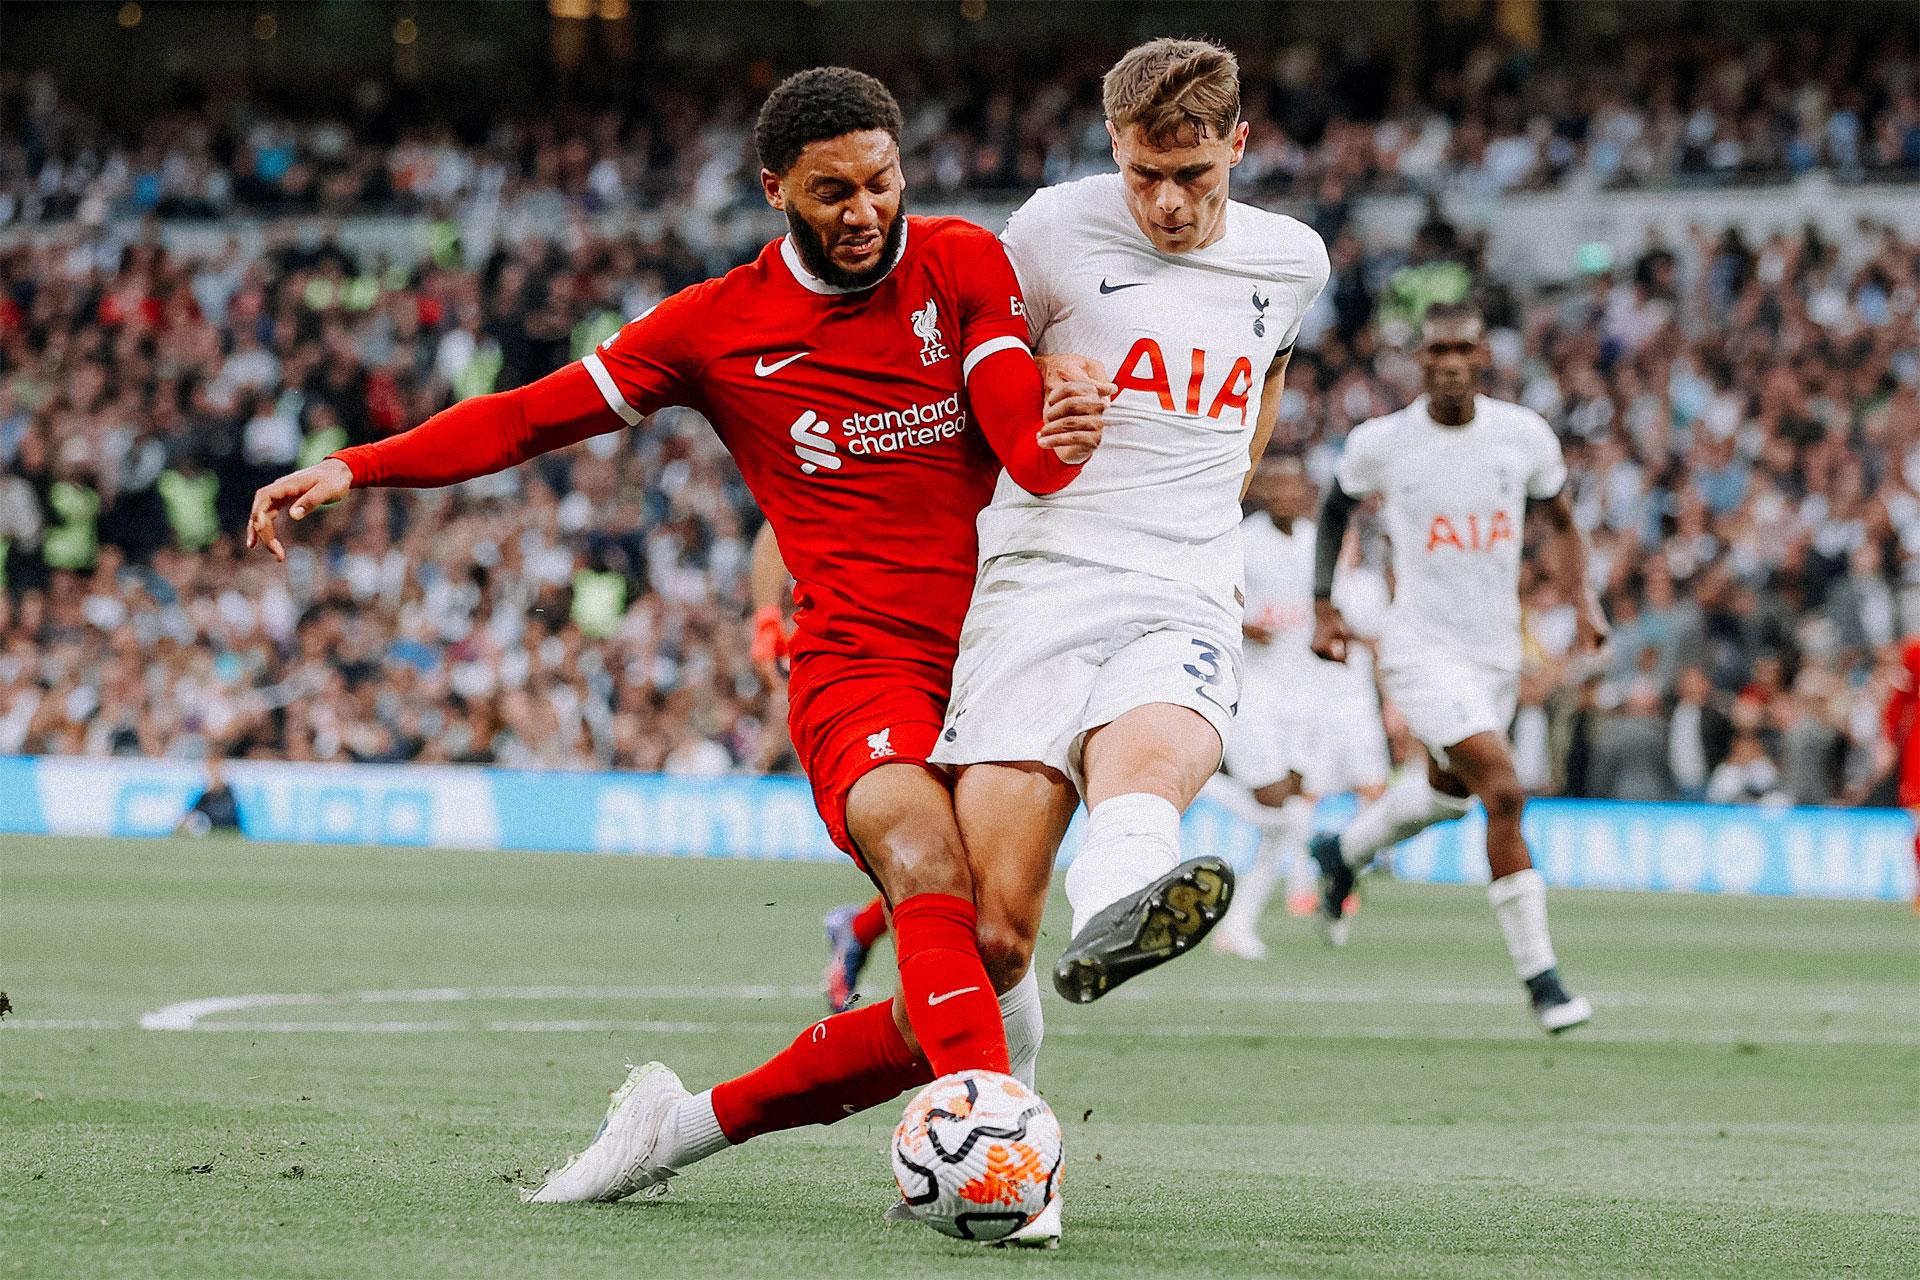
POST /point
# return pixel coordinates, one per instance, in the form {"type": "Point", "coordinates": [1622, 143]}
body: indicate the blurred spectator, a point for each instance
{"type": "Point", "coordinates": [1629, 752]}
{"type": "Point", "coordinates": [1699, 735]}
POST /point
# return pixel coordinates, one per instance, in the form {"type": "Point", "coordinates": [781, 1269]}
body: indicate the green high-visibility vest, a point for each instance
{"type": "Point", "coordinates": [481, 373]}
{"type": "Point", "coordinates": [190, 507]}
{"type": "Point", "coordinates": [598, 601]}
{"type": "Point", "coordinates": [73, 542]}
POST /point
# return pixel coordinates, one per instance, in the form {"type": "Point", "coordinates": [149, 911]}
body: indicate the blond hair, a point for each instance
{"type": "Point", "coordinates": [1170, 87]}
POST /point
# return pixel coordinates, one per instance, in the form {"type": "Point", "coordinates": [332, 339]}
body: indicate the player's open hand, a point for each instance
{"type": "Point", "coordinates": [296, 494]}
{"type": "Point", "coordinates": [1330, 634]}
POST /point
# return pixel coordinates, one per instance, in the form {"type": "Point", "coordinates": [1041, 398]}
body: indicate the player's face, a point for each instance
{"type": "Point", "coordinates": [1453, 354]}
{"type": "Point", "coordinates": [1177, 187]}
{"type": "Point", "coordinates": [842, 198]}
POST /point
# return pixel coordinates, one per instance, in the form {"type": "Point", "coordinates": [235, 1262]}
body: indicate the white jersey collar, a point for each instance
{"type": "Point", "coordinates": [790, 254]}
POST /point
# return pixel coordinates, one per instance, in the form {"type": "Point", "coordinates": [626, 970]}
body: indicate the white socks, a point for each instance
{"type": "Point", "coordinates": [690, 1132]}
{"type": "Point", "coordinates": [1409, 807]}
{"type": "Point", "coordinates": [1520, 905]}
{"type": "Point", "coordinates": [1283, 850]}
{"type": "Point", "coordinates": [1020, 1010]}
{"type": "Point", "coordinates": [1132, 840]}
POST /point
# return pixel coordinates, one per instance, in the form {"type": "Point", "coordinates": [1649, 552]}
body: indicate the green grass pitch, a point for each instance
{"type": "Point", "coordinates": [1747, 1103]}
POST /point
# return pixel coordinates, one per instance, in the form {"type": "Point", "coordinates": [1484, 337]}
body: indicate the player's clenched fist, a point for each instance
{"type": "Point", "coordinates": [1077, 391]}
{"type": "Point", "coordinates": [1330, 634]}
{"type": "Point", "coordinates": [297, 494]}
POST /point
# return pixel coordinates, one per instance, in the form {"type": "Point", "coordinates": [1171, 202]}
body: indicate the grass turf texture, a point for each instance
{"type": "Point", "coordinates": [1747, 1104]}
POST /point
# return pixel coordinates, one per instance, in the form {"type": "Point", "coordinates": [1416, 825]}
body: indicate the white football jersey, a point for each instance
{"type": "Point", "coordinates": [1280, 598]}
{"type": "Point", "coordinates": [1189, 339]}
{"type": "Point", "coordinates": [1454, 501]}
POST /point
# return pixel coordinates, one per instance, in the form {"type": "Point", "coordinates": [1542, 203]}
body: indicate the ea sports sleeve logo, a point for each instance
{"type": "Point", "coordinates": [816, 448]}
{"type": "Point", "coordinates": [926, 327]}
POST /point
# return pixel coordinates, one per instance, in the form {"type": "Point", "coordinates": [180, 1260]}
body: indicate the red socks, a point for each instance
{"type": "Point", "coordinates": [858, 1059]}
{"type": "Point", "coordinates": [839, 1065]}
{"type": "Point", "coordinates": [871, 924]}
{"type": "Point", "coordinates": [950, 1003]}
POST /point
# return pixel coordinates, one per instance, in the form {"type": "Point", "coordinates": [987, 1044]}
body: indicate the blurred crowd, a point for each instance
{"type": "Point", "coordinates": [1742, 421]}
{"type": "Point", "coordinates": [1327, 123]}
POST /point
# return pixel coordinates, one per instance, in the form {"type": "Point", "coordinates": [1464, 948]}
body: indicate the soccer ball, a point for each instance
{"type": "Point", "coordinates": [977, 1155]}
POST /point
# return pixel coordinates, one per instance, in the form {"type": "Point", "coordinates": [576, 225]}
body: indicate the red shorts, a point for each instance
{"type": "Point", "coordinates": [849, 717]}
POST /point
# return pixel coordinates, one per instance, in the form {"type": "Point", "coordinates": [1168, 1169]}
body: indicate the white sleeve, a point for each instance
{"type": "Point", "coordinates": [1028, 241]}
{"type": "Point", "coordinates": [1547, 466]}
{"type": "Point", "coordinates": [1362, 461]}
{"type": "Point", "coordinates": [1308, 286]}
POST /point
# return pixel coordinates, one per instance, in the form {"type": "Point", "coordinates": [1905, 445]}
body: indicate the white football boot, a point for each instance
{"type": "Point", "coordinates": [1557, 1008]}
{"type": "Point", "coordinates": [620, 1159]}
{"type": "Point", "coordinates": [1042, 1233]}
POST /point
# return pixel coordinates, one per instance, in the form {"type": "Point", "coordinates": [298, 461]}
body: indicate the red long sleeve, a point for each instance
{"type": "Point", "coordinates": [1004, 392]}
{"type": "Point", "coordinates": [487, 433]}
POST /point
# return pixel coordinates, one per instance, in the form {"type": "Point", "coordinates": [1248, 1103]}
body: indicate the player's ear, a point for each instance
{"type": "Point", "coordinates": [770, 187]}
{"type": "Point", "coordinates": [1113, 137]}
{"type": "Point", "coordinates": [1240, 132]}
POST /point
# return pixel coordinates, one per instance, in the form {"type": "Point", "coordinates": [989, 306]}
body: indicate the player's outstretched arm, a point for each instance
{"type": "Point", "coordinates": [1330, 634]}
{"type": "Point", "coordinates": [473, 438]}
{"type": "Point", "coordinates": [1569, 557]}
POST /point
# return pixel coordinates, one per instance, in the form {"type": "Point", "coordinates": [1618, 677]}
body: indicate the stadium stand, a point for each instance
{"type": "Point", "coordinates": [1742, 414]}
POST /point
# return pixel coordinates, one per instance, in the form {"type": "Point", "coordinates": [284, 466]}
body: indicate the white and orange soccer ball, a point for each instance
{"type": "Point", "coordinates": [977, 1155]}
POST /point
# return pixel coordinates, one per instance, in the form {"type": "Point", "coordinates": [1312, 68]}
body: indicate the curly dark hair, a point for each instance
{"type": "Point", "coordinates": [810, 106]}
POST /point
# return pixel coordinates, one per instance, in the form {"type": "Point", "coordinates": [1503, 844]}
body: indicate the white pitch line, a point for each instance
{"type": "Point", "coordinates": [190, 1015]}
{"type": "Point", "coordinates": [1073, 1030]}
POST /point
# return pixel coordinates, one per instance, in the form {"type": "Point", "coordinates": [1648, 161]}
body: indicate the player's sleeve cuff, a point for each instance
{"type": "Point", "coordinates": [604, 380]}
{"type": "Point", "coordinates": [992, 346]}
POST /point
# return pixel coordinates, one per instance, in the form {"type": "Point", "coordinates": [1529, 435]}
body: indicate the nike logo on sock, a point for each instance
{"type": "Point", "coordinates": [942, 999]}
{"type": "Point", "coordinates": [761, 368]}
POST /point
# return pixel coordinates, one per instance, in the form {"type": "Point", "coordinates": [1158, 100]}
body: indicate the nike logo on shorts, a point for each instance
{"type": "Point", "coordinates": [942, 999]}
{"type": "Point", "coordinates": [1115, 288]}
{"type": "Point", "coordinates": [761, 368]}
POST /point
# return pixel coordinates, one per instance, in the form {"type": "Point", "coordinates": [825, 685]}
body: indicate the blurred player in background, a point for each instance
{"type": "Point", "coordinates": [842, 369]}
{"type": "Point", "coordinates": [1101, 655]}
{"type": "Point", "coordinates": [1457, 473]}
{"type": "Point", "coordinates": [1902, 723]}
{"type": "Point", "coordinates": [1307, 727]}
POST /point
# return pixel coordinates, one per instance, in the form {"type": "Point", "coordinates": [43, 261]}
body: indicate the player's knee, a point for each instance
{"type": "Point", "coordinates": [1504, 799]}
{"type": "Point", "coordinates": [910, 866]}
{"type": "Point", "coordinates": [1007, 951]}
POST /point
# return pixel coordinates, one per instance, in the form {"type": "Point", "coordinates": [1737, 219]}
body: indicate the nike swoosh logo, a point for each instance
{"type": "Point", "coordinates": [938, 1000]}
{"type": "Point", "coordinates": [1115, 288]}
{"type": "Point", "coordinates": [761, 368]}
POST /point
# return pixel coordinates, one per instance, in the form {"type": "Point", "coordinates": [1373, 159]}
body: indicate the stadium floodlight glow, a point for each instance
{"type": "Point", "coordinates": [406, 31]}
{"type": "Point", "coordinates": [129, 15]}
{"type": "Point", "coordinates": [265, 27]}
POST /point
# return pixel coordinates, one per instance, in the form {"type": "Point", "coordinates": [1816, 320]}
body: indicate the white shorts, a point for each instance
{"type": "Point", "coordinates": [1053, 649]}
{"type": "Point", "coordinates": [1335, 747]}
{"type": "Point", "coordinates": [1446, 700]}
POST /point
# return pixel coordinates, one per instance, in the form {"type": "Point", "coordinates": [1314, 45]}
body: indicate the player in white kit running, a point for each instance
{"type": "Point", "coordinates": [1456, 472]}
{"type": "Point", "coordinates": [1101, 653]}
{"type": "Point", "coordinates": [1306, 727]}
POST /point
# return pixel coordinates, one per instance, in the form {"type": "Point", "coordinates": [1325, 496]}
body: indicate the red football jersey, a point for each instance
{"type": "Point", "coordinates": [847, 414]}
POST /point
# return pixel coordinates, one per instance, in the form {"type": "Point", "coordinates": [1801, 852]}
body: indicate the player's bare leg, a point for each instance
{"type": "Point", "coordinates": [1483, 766]}
{"type": "Point", "coordinates": [1012, 818]}
{"type": "Point", "coordinates": [1135, 903]}
{"type": "Point", "coordinates": [1285, 818]}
